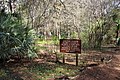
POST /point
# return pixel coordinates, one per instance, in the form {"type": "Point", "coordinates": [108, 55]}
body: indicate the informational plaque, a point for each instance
{"type": "Point", "coordinates": [70, 45]}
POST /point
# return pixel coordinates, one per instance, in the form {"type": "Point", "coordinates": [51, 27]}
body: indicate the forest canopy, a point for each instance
{"type": "Point", "coordinates": [95, 22]}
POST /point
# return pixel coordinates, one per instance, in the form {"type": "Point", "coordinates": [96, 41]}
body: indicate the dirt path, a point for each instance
{"type": "Point", "coordinates": [117, 61]}
{"type": "Point", "coordinates": [108, 69]}
{"type": "Point", "coordinates": [105, 71]}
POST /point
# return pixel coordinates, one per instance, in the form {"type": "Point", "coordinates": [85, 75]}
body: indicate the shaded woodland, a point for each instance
{"type": "Point", "coordinates": [30, 33]}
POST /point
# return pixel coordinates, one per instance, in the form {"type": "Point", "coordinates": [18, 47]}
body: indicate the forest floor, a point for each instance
{"type": "Point", "coordinates": [93, 65]}
{"type": "Point", "coordinates": [109, 69]}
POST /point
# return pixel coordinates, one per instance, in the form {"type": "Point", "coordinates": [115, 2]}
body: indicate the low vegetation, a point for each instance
{"type": "Point", "coordinates": [30, 33]}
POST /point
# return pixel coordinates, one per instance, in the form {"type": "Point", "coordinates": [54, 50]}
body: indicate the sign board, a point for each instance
{"type": "Point", "coordinates": [70, 45]}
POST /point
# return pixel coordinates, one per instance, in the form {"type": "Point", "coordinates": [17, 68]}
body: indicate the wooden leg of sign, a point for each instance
{"type": "Point", "coordinates": [56, 57]}
{"type": "Point", "coordinates": [76, 59]}
{"type": "Point", "coordinates": [63, 58]}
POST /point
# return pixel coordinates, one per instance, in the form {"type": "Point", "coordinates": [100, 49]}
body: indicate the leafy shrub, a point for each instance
{"type": "Point", "coordinates": [16, 39]}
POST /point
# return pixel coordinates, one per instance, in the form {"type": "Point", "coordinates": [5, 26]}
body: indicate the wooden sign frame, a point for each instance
{"type": "Point", "coordinates": [70, 46]}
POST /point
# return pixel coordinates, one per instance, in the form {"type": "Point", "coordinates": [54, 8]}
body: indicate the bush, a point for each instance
{"type": "Point", "coordinates": [15, 38]}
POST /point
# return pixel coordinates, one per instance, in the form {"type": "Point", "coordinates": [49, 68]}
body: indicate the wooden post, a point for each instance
{"type": "Point", "coordinates": [63, 58]}
{"type": "Point", "coordinates": [76, 59]}
{"type": "Point", "coordinates": [56, 57]}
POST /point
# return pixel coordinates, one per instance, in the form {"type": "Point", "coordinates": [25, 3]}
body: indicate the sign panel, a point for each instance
{"type": "Point", "coordinates": [70, 45]}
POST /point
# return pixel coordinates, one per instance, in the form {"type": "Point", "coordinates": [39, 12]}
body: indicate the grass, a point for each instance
{"type": "Point", "coordinates": [41, 47]}
{"type": "Point", "coordinates": [48, 42]}
{"type": "Point", "coordinates": [46, 71]}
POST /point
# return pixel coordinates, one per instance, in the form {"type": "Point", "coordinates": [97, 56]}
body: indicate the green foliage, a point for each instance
{"type": "Point", "coordinates": [2, 73]}
{"type": "Point", "coordinates": [74, 35]}
{"type": "Point", "coordinates": [48, 71]}
{"type": "Point", "coordinates": [115, 14]}
{"type": "Point", "coordinates": [15, 37]}
{"type": "Point", "coordinates": [104, 30]}
{"type": "Point", "coordinates": [55, 40]}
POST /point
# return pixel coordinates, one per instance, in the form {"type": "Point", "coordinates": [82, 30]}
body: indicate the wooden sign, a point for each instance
{"type": "Point", "coordinates": [70, 45]}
